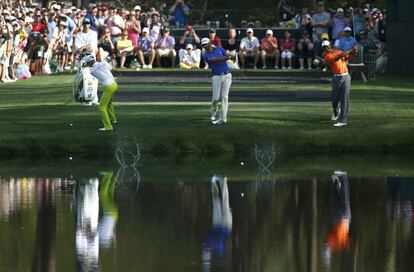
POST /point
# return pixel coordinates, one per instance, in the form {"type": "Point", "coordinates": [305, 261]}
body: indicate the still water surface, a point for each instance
{"type": "Point", "coordinates": [337, 222]}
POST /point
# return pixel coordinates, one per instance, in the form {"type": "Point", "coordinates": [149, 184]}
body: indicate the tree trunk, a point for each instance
{"type": "Point", "coordinates": [203, 11]}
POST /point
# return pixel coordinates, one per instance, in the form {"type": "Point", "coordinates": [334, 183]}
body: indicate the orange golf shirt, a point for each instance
{"type": "Point", "coordinates": [337, 67]}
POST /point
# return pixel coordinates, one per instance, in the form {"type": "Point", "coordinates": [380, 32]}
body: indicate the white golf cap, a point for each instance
{"type": "Point", "coordinates": [326, 43]}
{"type": "Point", "coordinates": [269, 31]}
{"type": "Point", "coordinates": [340, 10]}
{"type": "Point", "coordinates": [137, 8]}
{"type": "Point", "coordinates": [145, 30]}
{"type": "Point", "coordinates": [347, 28]}
{"type": "Point", "coordinates": [249, 30]}
{"type": "Point", "coordinates": [189, 46]}
{"type": "Point", "coordinates": [205, 41]}
{"type": "Point", "coordinates": [6, 11]}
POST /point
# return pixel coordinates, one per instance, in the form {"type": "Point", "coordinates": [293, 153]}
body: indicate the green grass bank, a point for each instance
{"type": "Point", "coordinates": [40, 119]}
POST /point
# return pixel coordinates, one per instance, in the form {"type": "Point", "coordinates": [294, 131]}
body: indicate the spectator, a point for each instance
{"type": "Point", "coordinates": [365, 42]}
{"type": "Point", "coordinates": [133, 26]}
{"type": "Point", "coordinates": [320, 21]}
{"type": "Point", "coordinates": [318, 50]}
{"type": "Point", "coordinates": [106, 47]}
{"type": "Point", "coordinates": [231, 44]}
{"type": "Point", "coordinates": [86, 39]}
{"type": "Point", "coordinates": [249, 47]}
{"type": "Point", "coordinates": [285, 10]}
{"type": "Point", "coordinates": [190, 59]}
{"type": "Point", "coordinates": [305, 50]}
{"type": "Point", "coordinates": [91, 15]}
{"type": "Point", "coordinates": [60, 47]}
{"type": "Point", "coordinates": [288, 45]}
{"type": "Point", "coordinates": [304, 20]}
{"type": "Point", "coordinates": [212, 35]}
{"type": "Point", "coordinates": [51, 25]}
{"type": "Point", "coordinates": [357, 20]}
{"type": "Point", "coordinates": [39, 24]}
{"type": "Point", "coordinates": [339, 22]}
{"type": "Point", "coordinates": [123, 47]}
{"type": "Point", "coordinates": [190, 37]}
{"type": "Point", "coordinates": [165, 47]}
{"type": "Point", "coordinates": [179, 12]}
{"type": "Point", "coordinates": [116, 24]}
{"type": "Point", "coordinates": [146, 48]}
{"type": "Point", "coordinates": [347, 41]}
{"type": "Point", "coordinates": [155, 26]}
{"type": "Point", "coordinates": [270, 49]}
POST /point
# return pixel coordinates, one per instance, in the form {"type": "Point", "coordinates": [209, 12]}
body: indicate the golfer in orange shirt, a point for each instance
{"type": "Point", "coordinates": [341, 81]}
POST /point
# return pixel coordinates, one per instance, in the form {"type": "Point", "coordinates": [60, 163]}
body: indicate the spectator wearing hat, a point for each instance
{"type": "Point", "coordinates": [270, 49]}
{"type": "Point", "coordinates": [123, 47]}
{"type": "Point", "coordinates": [86, 39]}
{"type": "Point", "coordinates": [60, 46]}
{"type": "Point", "coordinates": [305, 50]}
{"type": "Point", "coordinates": [91, 15]}
{"type": "Point", "coordinates": [339, 22]}
{"type": "Point", "coordinates": [318, 50]}
{"type": "Point", "coordinates": [146, 44]}
{"type": "Point", "coordinates": [249, 47]}
{"type": "Point", "coordinates": [179, 13]}
{"type": "Point", "coordinates": [190, 59]}
{"type": "Point", "coordinates": [189, 37]}
{"type": "Point", "coordinates": [165, 47]}
{"type": "Point", "coordinates": [287, 48]}
{"type": "Point", "coordinates": [320, 21]}
{"type": "Point", "coordinates": [214, 38]}
{"type": "Point", "coordinates": [347, 41]}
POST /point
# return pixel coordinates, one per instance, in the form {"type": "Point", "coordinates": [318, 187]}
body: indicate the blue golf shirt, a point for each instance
{"type": "Point", "coordinates": [217, 68]}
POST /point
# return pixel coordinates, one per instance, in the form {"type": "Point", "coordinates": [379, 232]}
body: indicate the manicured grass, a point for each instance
{"type": "Point", "coordinates": [37, 113]}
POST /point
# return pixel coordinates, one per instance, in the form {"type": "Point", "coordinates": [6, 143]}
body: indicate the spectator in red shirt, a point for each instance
{"type": "Point", "coordinates": [288, 45]}
{"type": "Point", "coordinates": [39, 25]}
{"type": "Point", "coordinates": [215, 40]}
{"type": "Point", "coordinates": [270, 49]}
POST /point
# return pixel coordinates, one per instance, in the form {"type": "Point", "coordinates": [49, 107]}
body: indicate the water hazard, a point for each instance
{"type": "Point", "coordinates": [121, 221]}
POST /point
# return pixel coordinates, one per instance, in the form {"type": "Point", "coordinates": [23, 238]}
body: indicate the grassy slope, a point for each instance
{"type": "Point", "coordinates": [36, 117]}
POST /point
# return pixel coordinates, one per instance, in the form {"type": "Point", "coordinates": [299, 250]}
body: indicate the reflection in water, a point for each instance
{"type": "Point", "coordinates": [217, 241]}
{"type": "Point", "coordinates": [92, 232]}
{"type": "Point", "coordinates": [338, 236]}
{"type": "Point", "coordinates": [304, 225]}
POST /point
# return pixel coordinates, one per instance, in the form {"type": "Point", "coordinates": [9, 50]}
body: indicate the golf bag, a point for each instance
{"type": "Point", "coordinates": [85, 87]}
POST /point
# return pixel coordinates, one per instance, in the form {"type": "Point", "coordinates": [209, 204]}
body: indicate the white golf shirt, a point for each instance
{"type": "Point", "coordinates": [102, 72]}
{"type": "Point", "coordinates": [88, 38]}
{"type": "Point", "coordinates": [250, 45]}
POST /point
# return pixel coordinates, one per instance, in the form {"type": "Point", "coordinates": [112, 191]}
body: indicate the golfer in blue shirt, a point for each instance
{"type": "Point", "coordinates": [217, 58]}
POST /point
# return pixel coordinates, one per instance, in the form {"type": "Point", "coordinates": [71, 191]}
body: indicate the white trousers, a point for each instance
{"type": "Point", "coordinates": [221, 88]}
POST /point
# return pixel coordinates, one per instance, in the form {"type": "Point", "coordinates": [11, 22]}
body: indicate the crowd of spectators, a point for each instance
{"type": "Point", "coordinates": [41, 40]}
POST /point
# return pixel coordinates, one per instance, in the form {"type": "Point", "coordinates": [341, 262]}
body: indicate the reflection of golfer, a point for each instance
{"type": "Point", "coordinates": [107, 223]}
{"type": "Point", "coordinates": [217, 58]}
{"type": "Point", "coordinates": [338, 237]}
{"type": "Point", "coordinates": [102, 72]}
{"type": "Point", "coordinates": [217, 240]}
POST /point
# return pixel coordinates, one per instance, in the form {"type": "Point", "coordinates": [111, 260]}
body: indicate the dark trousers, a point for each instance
{"type": "Point", "coordinates": [340, 94]}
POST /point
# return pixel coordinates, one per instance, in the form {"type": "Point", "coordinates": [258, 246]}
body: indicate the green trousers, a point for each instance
{"type": "Point", "coordinates": [105, 106]}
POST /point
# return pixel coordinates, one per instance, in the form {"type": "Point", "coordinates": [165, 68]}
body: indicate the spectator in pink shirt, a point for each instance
{"type": "Point", "coordinates": [287, 47]}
